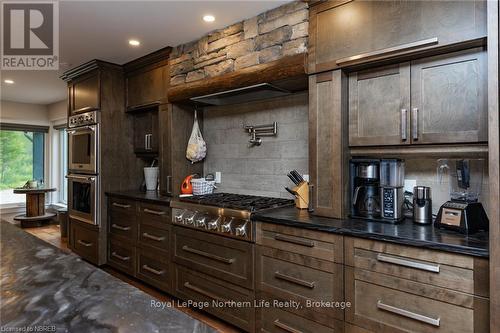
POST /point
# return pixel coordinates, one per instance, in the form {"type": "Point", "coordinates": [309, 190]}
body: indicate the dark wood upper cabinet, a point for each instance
{"type": "Point", "coordinates": [435, 100]}
{"type": "Point", "coordinates": [328, 142]}
{"type": "Point", "coordinates": [84, 93]}
{"type": "Point", "coordinates": [344, 33]}
{"type": "Point", "coordinates": [146, 132]}
{"type": "Point", "coordinates": [379, 106]}
{"type": "Point", "coordinates": [449, 98]}
{"type": "Point", "coordinates": [147, 80]}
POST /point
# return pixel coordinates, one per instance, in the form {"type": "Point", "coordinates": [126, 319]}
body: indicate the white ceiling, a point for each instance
{"type": "Point", "coordinates": [101, 30]}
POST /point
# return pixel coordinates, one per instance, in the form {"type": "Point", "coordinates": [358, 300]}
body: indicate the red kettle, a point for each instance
{"type": "Point", "coordinates": [187, 187]}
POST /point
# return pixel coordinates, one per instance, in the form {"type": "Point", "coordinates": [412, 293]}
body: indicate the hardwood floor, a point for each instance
{"type": "Point", "coordinates": [51, 234]}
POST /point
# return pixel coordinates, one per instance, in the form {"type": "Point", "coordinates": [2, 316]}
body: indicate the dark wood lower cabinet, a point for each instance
{"type": "Point", "coordinates": [154, 267]}
{"type": "Point", "coordinates": [84, 240]}
{"type": "Point", "coordinates": [121, 255]}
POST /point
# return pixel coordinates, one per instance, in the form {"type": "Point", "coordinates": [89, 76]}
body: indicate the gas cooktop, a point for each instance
{"type": "Point", "coordinates": [251, 203]}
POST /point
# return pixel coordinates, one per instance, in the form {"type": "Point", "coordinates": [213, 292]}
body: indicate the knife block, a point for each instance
{"type": "Point", "coordinates": [302, 197]}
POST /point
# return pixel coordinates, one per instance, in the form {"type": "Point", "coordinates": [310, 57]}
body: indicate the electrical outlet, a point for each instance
{"type": "Point", "coordinates": [410, 184]}
{"type": "Point", "coordinates": [218, 177]}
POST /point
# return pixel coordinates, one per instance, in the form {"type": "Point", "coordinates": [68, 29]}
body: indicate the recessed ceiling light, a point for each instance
{"type": "Point", "coordinates": [208, 18]}
{"type": "Point", "coordinates": [134, 42]}
{"type": "Point", "coordinates": [8, 81]}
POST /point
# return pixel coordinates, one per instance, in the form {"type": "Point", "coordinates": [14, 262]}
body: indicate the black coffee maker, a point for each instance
{"type": "Point", "coordinates": [365, 188]}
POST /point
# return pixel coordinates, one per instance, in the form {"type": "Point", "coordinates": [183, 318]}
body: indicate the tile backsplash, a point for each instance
{"type": "Point", "coordinates": [258, 170]}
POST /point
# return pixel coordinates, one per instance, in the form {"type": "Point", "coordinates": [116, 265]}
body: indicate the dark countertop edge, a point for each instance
{"type": "Point", "coordinates": [154, 197]}
{"type": "Point", "coordinates": [475, 252]}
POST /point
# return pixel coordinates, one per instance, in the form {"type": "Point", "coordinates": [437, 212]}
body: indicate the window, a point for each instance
{"type": "Point", "coordinates": [63, 165]}
{"type": "Point", "coordinates": [22, 152]}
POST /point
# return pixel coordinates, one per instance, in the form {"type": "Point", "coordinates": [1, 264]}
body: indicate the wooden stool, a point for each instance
{"type": "Point", "coordinates": [35, 207]}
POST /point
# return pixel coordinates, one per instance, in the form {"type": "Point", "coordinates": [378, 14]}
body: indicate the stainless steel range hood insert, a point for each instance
{"type": "Point", "coordinates": [245, 94]}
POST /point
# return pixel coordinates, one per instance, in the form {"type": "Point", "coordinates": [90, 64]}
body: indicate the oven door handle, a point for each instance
{"type": "Point", "coordinates": [90, 178]}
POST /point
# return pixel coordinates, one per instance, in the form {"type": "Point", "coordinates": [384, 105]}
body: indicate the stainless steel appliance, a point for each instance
{"type": "Point", "coordinates": [224, 214]}
{"type": "Point", "coordinates": [422, 205]}
{"type": "Point", "coordinates": [377, 189]}
{"type": "Point", "coordinates": [83, 197]}
{"type": "Point", "coordinates": [83, 138]}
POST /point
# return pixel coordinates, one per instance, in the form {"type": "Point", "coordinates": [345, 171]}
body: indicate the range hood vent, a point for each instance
{"type": "Point", "coordinates": [245, 94]}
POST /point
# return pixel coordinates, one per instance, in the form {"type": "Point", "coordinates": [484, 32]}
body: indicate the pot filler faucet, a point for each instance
{"type": "Point", "coordinates": [256, 132]}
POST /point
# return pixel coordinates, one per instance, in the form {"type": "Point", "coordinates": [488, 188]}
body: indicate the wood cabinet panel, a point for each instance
{"type": "Point", "coordinates": [146, 132]}
{"type": "Point", "coordinates": [84, 241]}
{"type": "Point", "coordinates": [327, 142]}
{"type": "Point", "coordinates": [121, 256]}
{"type": "Point", "coordinates": [147, 86]}
{"type": "Point", "coordinates": [379, 106]}
{"type": "Point", "coordinates": [85, 93]}
{"type": "Point", "coordinates": [157, 216]}
{"type": "Point", "coordinates": [374, 30]}
{"type": "Point", "coordinates": [449, 99]}
{"type": "Point", "coordinates": [154, 267]}
{"type": "Point", "coordinates": [123, 224]}
{"type": "Point", "coordinates": [122, 205]}
{"type": "Point", "coordinates": [152, 236]}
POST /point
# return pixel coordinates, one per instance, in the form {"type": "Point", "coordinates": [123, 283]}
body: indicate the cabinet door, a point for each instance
{"type": "Point", "coordinates": [146, 87]}
{"type": "Point", "coordinates": [327, 142]}
{"type": "Point", "coordinates": [84, 93]}
{"type": "Point", "coordinates": [448, 98]}
{"type": "Point", "coordinates": [379, 101]}
{"type": "Point", "coordinates": [143, 132]}
{"type": "Point", "coordinates": [342, 33]}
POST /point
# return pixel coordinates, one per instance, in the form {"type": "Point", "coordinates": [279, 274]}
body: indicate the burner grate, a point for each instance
{"type": "Point", "coordinates": [251, 203]}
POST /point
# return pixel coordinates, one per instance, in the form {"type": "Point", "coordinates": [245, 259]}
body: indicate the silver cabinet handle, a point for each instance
{"type": "Point", "coordinates": [408, 263]}
{"type": "Point", "coordinates": [116, 204]}
{"type": "Point", "coordinates": [409, 314]}
{"type": "Point", "coordinates": [120, 227]}
{"type": "Point", "coordinates": [414, 119]}
{"type": "Point", "coordinates": [285, 327]}
{"type": "Point", "coordinates": [154, 212]}
{"type": "Point", "coordinates": [84, 243]}
{"type": "Point", "coordinates": [169, 184]}
{"type": "Point", "coordinates": [388, 51]}
{"type": "Point", "coordinates": [146, 141]}
{"type": "Point", "coordinates": [292, 279]}
{"type": "Point", "coordinates": [204, 292]}
{"type": "Point", "coordinates": [208, 255]}
{"type": "Point", "coordinates": [152, 270]}
{"type": "Point", "coordinates": [293, 240]}
{"type": "Point", "coordinates": [155, 238]}
{"type": "Point", "coordinates": [404, 135]}
{"type": "Point", "coordinates": [122, 258]}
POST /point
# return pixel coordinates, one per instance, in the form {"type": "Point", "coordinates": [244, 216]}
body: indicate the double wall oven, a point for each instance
{"type": "Point", "coordinates": [83, 177]}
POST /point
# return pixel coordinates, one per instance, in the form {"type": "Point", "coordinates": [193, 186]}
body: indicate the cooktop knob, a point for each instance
{"type": "Point", "coordinates": [179, 217]}
{"type": "Point", "coordinates": [226, 227]}
{"type": "Point", "coordinates": [190, 220]}
{"type": "Point", "coordinates": [200, 223]}
{"type": "Point", "coordinates": [241, 230]}
{"type": "Point", "coordinates": [212, 225]}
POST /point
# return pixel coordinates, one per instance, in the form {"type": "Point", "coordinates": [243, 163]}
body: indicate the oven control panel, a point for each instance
{"type": "Point", "coordinates": [229, 226]}
{"type": "Point", "coordinates": [83, 119]}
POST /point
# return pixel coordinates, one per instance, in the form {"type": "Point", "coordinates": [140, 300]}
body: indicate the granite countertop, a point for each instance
{"type": "Point", "coordinates": [44, 286]}
{"type": "Point", "coordinates": [148, 196]}
{"type": "Point", "coordinates": [406, 233]}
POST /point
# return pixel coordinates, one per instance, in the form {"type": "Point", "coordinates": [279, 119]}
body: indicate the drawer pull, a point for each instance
{"type": "Point", "coordinates": [122, 258]}
{"type": "Point", "coordinates": [285, 327]}
{"type": "Point", "coordinates": [389, 51]}
{"type": "Point", "coordinates": [155, 238]}
{"type": "Point", "coordinates": [116, 204]}
{"type": "Point", "coordinates": [293, 240]}
{"type": "Point", "coordinates": [120, 227]}
{"type": "Point", "coordinates": [154, 212]}
{"type": "Point", "coordinates": [84, 243]}
{"type": "Point", "coordinates": [408, 263]}
{"type": "Point", "coordinates": [408, 314]}
{"type": "Point", "coordinates": [292, 279]}
{"type": "Point", "coordinates": [208, 255]}
{"type": "Point", "coordinates": [204, 292]}
{"type": "Point", "coordinates": [152, 270]}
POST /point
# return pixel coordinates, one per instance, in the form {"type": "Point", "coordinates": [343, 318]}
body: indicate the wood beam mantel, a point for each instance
{"type": "Point", "coordinates": [284, 69]}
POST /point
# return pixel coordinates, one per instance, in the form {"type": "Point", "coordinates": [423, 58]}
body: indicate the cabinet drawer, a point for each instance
{"type": "Point", "coordinates": [122, 224]}
{"type": "Point", "coordinates": [406, 307]}
{"type": "Point", "coordinates": [192, 285]}
{"type": "Point", "coordinates": [448, 270]}
{"type": "Point", "coordinates": [154, 215]}
{"type": "Point", "coordinates": [221, 257]}
{"type": "Point", "coordinates": [277, 320]}
{"type": "Point", "coordinates": [151, 236]}
{"type": "Point", "coordinates": [153, 267]}
{"type": "Point", "coordinates": [122, 205]}
{"type": "Point", "coordinates": [121, 256]}
{"type": "Point", "coordinates": [290, 276]}
{"type": "Point", "coordinates": [311, 243]}
{"type": "Point", "coordinates": [85, 242]}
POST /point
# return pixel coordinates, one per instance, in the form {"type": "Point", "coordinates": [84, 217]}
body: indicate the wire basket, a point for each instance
{"type": "Point", "coordinates": [202, 186]}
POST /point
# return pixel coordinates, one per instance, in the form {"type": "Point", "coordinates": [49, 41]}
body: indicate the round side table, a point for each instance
{"type": "Point", "coordinates": [35, 207]}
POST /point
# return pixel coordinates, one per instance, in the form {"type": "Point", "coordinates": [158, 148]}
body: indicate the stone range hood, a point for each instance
{"type": "Point", "coordinates": [277, 78]}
